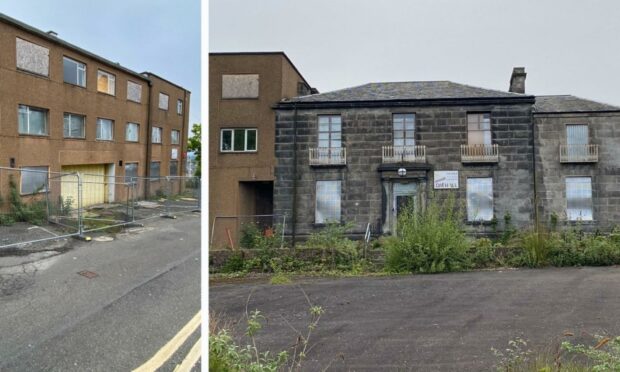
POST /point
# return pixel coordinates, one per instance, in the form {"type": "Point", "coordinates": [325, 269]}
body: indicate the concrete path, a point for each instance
{"type": "Point", "coordinates": [446, 322]}
{"type": "Point", "coordinates": [146, 288]}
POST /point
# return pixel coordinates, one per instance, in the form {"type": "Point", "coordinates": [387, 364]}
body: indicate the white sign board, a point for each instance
{"type": "Point", "coordinates": [175, 154]}
{"type": "Point", "coordinates": [446, 179]}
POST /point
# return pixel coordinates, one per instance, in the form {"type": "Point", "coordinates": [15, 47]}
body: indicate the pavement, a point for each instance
{"type": "Point", "coordinates": [144, 289]}
{"type": "Point", "coordinates": [444, 322]}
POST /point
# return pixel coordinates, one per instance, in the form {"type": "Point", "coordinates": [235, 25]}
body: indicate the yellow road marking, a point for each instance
{"type": "Point", "coordinates": [171, 347]}
{"type": "Point", "coordinates": [190, 360]}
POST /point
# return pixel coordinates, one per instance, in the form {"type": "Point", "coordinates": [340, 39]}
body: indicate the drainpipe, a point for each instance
{"type": "Point", "coordinates": [294, 208]}
{"type": "Point", "coordinates": [536, 217]}
{"type": "Point", "coordinates": [183, 141]}
{"type": "Point", "coordinates": [147, 172]}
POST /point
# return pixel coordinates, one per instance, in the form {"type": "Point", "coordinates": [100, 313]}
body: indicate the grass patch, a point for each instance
{"type": "Point", "coordinates": [279, 279]}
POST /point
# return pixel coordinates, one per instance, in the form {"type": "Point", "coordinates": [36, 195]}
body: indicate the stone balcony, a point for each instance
{"type": "Point", "coordinates": [328, 156]}
{"type": "Point", "coordinates": [479, 153]}
{"type": "Point", "coordinates": [404, 154]}
{"type": "Point", "coordinates": [578, 153]}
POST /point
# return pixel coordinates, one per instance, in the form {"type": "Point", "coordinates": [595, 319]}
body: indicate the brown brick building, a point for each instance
{"type": "Point", "coordinates": [243, 88]}
{"type": "Point", "coordinates": [64, 109]}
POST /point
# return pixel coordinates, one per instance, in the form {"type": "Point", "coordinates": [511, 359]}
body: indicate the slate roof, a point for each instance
{"type": "Point", "coordinates": [568, 103]}
{"type": "Point", "coordinates": [408, 90]}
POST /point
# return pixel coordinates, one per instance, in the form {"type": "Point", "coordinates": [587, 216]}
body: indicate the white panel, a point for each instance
{"type": "Point", "coordinates": [32, 57]}
{"type": "Point", "coordinates": [134, 92]}
{"type": "Point", "coordinates": [240, 86]}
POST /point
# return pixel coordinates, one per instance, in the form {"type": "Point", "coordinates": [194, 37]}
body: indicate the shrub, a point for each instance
{"type": "Point", "coordinates": [536, 247]}
{"type": "Point", "coordinates": [265, 243]}
{"type": "Point", "coordinates": [482, 253]}
{"type": "Point", "coordinates": [234, 263]}
{"type": "Point", "coordinates": [337, 249]}
{"type": "Point", "coordinates": [34, 213]}
{"type": "Point", "coordinates": [428, 239]}
{"type": "Point", "coordinates": [605, 355]}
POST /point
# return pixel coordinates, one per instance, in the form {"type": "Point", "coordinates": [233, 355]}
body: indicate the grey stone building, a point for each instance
{"type": "Point", "coordinates": [359, 154]}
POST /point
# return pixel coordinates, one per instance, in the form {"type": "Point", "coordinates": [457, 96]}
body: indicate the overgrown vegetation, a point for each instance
{"type": "Point", "coordinates": [34, 212]}
{"type": "Point", "coordinates": [428, 240]}
{"type": "Point", "coordinates": [227, 355]}
{"type": "Point", "coordinates": [602, 356]}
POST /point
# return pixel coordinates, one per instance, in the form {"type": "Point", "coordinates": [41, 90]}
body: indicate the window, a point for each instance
{"type": "Point", "coordinates": [175, 136]}
{"type": "Point", "coordinates": [577, 140]}
{"type": "Point", "coordinates": [74, 126]}
{"type": "Point", "coordinates": [32, 57]}
{"type": "Point", "coordinates": [105, 129]}
{"type": "Point", "coordinates": [155, 169]}
{"type": "Point", "coordinates": [238, 140]}
{"type": "Point", "coordinates": [131, 172]}
{"type": "Point", "coordinates": [163, 101]}
{"type": "Point", "coordinates": [132, 131]}
{"type": "Point", "coordinates": [479, 129]}
{"type": "Point", "coordinates": [330, 131]}
{"type": "Point", "coordinates": [32, 121]}
{"type": "Point", "coordinates": [33, 180]}
{"type": "Point", "coordinates": [179, 107]}
{"type": "Point", "coordinates": [174, 167]}
{"type": "Point", "coordinates": [106, 82]}
{"type": "Point", "coordinates": [74, 72]}
{"type": "Point", "coordinates": [134, 91]}
{"type": "Point", "coordinates": [156, 135]}
{"type": "Point", "coordinates": [327, 201]}
{"type": "Point", "coordinates": [579, 198]}
{"type": "Point", "coordinates": [479, 199]}
{"type": "Point", "coordinates": [240, 86]}
{"type": "Point", "coordinates": [403, 125]}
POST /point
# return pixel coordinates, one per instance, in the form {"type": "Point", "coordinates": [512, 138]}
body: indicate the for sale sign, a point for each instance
{"type": "Point", "coordinates": [446, 180]}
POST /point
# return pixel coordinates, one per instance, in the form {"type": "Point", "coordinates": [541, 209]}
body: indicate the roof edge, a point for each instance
{"type": "Point", "coordinates": [166, 80]}
{"type": "Point", "coordinates": [262, 53]}
{"type": "Point", "coordinates": [56, 40]}
{"type": "Point", "coordinates": [290, 105]}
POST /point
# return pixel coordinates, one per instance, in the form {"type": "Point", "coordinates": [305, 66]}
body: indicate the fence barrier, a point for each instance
{"type": "Point", "coordinates": [38, 206]}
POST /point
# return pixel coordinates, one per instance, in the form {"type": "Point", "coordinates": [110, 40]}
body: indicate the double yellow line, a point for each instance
{"type": "Point", "coordinates": [172, 346]}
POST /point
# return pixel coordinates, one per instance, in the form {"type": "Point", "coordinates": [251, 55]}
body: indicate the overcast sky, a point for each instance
{"type": "Point", "coordinates": [159, 36]}
{"type": "Point", "coordinates": [566, 47]}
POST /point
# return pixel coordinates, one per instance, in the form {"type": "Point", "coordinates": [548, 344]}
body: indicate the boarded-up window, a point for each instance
{"type": "Point", "coordinates": [131, 172]}
{"type": "Point", "coordinates": [240, 86]}
{"type": "Point", "coordinates": [579, 198]}
{"type": "Point", "coordinates": [163, 101]}
{"type": "Point", "coordinates": [174, 167]}
{"type": "Point", "coordinates": [327, 201]}
{"type": "Point", "coordinates": [479, 199]}
{"type": "Point", "coordinates": [32, 57]}
{"type": "Point", "coordinates": [134, 92]}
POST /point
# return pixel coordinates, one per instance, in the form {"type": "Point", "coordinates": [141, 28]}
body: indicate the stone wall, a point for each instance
{"type": "Point", "coordinates": [604, 131]}
{"type": "Point", "coordinates": [365, 130]}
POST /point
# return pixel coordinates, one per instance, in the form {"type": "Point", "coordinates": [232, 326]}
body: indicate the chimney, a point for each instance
{"type": "Point", "coordinates": [517, 80]}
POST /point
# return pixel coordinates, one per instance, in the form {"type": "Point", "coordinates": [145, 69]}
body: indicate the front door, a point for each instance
{"type": "Point", "coordinates": [402, 195]}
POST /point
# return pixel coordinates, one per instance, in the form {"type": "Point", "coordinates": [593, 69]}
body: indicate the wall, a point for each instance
{"type": "Point", "coordinates": [364, 131]}
{"type": "Point", "coordinates": [604, 130]}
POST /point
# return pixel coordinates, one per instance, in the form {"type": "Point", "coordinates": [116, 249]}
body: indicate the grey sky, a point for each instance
{"type": "Point", "coordinates": [566, 47]}
{"type": "Point", "coordinates": [159, 36]}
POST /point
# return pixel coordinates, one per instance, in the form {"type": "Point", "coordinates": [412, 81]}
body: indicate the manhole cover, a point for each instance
{"type": "Point", "coordinates": [88, 274]}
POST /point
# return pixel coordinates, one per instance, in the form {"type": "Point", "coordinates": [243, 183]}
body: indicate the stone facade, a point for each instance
{"type": "Point", "coordinates": [604, 131]}
{"type": "Point", "coordinates": [366, 181]}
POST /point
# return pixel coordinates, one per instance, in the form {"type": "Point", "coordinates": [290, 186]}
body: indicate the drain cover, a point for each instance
{"type": "Point", "coordinates": [88, 274]}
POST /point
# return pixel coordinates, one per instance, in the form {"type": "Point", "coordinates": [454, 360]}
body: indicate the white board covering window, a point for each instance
{"type": "Point", "coordinates": [579, 198]}
{"type": "Point", "coordinates": [479, 129]}
{"type": "Point", "coordinates": [240, 86]}
{"type": "Point", "coordinates": [327, 201]}
{"type": "Point", "coordinates": [32, 120]}
{"type": "Point", "coordinates": [74, 72]}
{"type": "Point", "coordinates": [134, 91]}
{"type": "Point", "coordinates": [179, 106]}
{"type": "Point", "coordinates": [131, 132]}
{"type": "Point", "coordinates": [156, 135]}
{"type": "Point", "coordinates": [106, 82]}
{"type": "Point", "coordinates": [32, 57]}
{"type": "Point", "coordinates": [238, 140]}
{"type": "Point", "coordinates": [577, 141]}
{"type": "Point", "coordinates": [105, 129]}
{"type": "Point", "coordinates": [131, 172]}
{"type": "Point", "coordinates": [33, 180]}
{"type": "Point", "coordinates": [479, 199]}
{"type": "Point", "coordinates": [163, 101]}
{"type": "Point", "coordinates": [74, 126]}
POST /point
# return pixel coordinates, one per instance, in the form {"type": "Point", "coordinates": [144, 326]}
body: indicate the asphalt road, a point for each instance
{"type": "Point", "coordinates": [146, 289]}
{"type": "Point", "coordinates": [446, 322]}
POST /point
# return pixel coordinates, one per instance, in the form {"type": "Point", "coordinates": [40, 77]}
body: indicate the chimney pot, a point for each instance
{"type": "Point", "coordinates": [517, 80]}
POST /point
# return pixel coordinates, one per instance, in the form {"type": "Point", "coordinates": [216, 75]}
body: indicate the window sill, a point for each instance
{"type": "Point", "coordinates": [75, 85]}
{"type": "Point", "coordinates": [34, 135]}
{"type": "Point", "coordinates": [46, 77]}
{"type": "Point", "coordinates": [128, 141]}
{"type": "Point", "coordinates": [238, 152]}
{"type": "Point", "coordinates": [103, 140]}
{"type": "Point", "coordinates": [132, 101]}
{"type": "Point", "coordinates": [481, 223]}
{"type": "Point", "coordinates": [74, 138]}
{"type": "Point", "coordinates": [106, 94]}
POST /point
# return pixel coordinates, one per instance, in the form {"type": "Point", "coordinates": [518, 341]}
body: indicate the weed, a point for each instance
{"type": "Point", "coordinates": [280, 278]}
